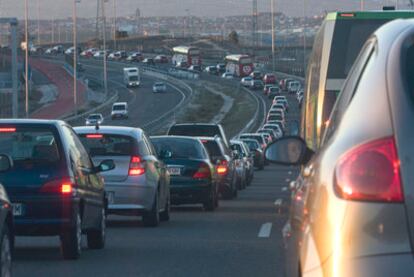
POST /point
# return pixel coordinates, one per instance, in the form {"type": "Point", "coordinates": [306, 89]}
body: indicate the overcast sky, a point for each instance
{"type": "Point", "coordinates": [87, 8]}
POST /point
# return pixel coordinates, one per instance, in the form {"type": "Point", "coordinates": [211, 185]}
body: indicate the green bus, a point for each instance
{"type": "Point", "coordinates": [336, 47]}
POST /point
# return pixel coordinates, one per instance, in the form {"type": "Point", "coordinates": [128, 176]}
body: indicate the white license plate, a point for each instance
{"type": "Point", "coordinates": [18, 209]}
{"type": "Point", "coordinates": [174, 170]}
{"type": "Point", "coordinates": [111, 195]}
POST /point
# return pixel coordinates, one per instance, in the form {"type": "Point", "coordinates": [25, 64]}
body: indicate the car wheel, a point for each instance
{"type": "Point", "coordinates": [96, 237]}
{"type": "Point", "coordinates": [165, 215]}
{"type": "Point", "coordinates": [152, 218]}
{"type": "Point", "coordinates": [210, 204]}
{"type": "Point", "coordinates": [5, 252]}
{"type": "Point", "coordinates": [71, 240]}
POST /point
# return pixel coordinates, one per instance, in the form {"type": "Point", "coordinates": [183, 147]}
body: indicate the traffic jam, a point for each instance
{"type": "Point", "coordinates": [342, 153]}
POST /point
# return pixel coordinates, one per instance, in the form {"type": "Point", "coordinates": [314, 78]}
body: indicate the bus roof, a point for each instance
{"type": "Point", "coordinates": [390, 14]}
{"type": "Point", "coordinates": [184, 49]}
{"type": "Point", "coordinates": [236, 57]}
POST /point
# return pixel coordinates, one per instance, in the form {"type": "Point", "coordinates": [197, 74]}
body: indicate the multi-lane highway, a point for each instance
{"type": "Point", "coordinates": [241, 238]}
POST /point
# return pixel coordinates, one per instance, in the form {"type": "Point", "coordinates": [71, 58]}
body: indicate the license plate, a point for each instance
{"type": "Point", "coordinates": [174, 170]}
{"type": "Point", "coordinates": [18, 209]}
{"type": "Point", "coordinates": [111, 195]}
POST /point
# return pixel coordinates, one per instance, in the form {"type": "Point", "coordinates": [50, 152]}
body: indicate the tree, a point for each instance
{"type": "Point", "coordinates": [234, 37]}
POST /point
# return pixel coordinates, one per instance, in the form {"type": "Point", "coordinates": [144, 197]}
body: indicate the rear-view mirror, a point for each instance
{"type": "Point", "coordinates": [105, 165]}
{"type": "Point", "coordinates": [287, 151]}
{"type": "Point", "coordinates": [5, 163]}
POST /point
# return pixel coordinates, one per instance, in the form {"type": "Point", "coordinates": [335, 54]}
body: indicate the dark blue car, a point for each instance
{"type": "Point", "coordinates": [54, 188]}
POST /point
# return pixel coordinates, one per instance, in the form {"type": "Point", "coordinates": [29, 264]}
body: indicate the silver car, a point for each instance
{"type": "Point", "coordinates": [93, 119]}
{"type": "Point", "coordinates": [159, 87]}
{"type": "Point", "coordinates": [139, 184]}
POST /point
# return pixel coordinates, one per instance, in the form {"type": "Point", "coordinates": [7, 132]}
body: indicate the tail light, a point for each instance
{"type": "Point", "coordinates": [223, 167]}
{"type": "Point", "coordinates": [370, 172]}
{"type": "Point", "coordinates": [136, 167]}
{"type": "Point", "coordinates": [64, 186]}
{"type": "Point", "coordinates": [203, 172]}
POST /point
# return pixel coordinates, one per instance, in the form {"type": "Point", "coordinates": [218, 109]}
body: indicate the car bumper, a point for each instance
{"type": "Point", "coordinates": [129, 198]}
{"type": "Point", "coordinates": [183, 193]}
{"type": "Point", "coordinates": [45, 216]}
{"type": "Point", "coordinates": [118, 115]}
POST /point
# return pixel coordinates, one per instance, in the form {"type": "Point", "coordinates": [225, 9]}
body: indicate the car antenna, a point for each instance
{"type": "Point", "coordinates": [97, 126]}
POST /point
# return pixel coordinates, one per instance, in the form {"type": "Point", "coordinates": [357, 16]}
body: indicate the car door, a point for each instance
{"type": "Point", "coordinates": [161, 172]}
{"type": "Point", "coordinates": [312, 188]}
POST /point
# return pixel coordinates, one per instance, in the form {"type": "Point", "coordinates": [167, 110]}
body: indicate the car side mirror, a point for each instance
{"type": "Point", "coordinates": [6, 163]}
{"type": "Point", "coordinates": [290, 150]}
{"type": "Point", "coordinates": [105, 165]}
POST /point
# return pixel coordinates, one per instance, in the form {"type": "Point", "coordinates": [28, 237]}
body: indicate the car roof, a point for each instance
{"type": "Point", "coordinates": [197, 124]}
{"type": "Point", "coordinates": [120, 103]}
{"type": "Point", "coordinates": [176, 137]}
{"type": "Point", "coordinates": [115, 130]}
{"type": "Point", "coordinates": [32, 121]}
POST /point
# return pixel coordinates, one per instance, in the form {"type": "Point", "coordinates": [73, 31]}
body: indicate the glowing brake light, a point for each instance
{"type": "Point", "coordinates": [222, 168]}
{"type": "Point", "coordinates": [136, 167]}
{"type": "Point", "coordinates": [66, 188]}
{"type": "Point", "coordinates": [7, 130]}
{"type": "Point", "coordinates": [94, 136]}
{"type": "Point", "coordinates": [203, 172]}
{"type": "Point", "coordinates": [370, 172]}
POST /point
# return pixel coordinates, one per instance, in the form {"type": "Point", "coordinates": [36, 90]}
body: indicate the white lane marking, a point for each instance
{"type": "Point", "coordinates": [265, 230]}
{"type": "Point", "coordinates": [284, 189]}
{"type": "Point", "coordinates": [287, 180]}
{"type": "Point", "coordinates": [290, 172]}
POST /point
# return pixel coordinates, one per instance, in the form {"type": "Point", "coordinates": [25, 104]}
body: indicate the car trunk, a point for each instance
{"type": "Point", "coordinates": [182, 169]}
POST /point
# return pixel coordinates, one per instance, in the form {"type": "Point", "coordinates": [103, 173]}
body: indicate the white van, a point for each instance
{"type": "Point", "coordinates": [119, 110]}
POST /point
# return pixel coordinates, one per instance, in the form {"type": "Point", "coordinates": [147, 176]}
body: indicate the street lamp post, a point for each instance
{"type": "Point", "coordinates": [104, 48]}
{"type": "Point", "coordinates": [362, 4]}
{"type": "Point", "coordinates": [26, 35]}
{"type": "Point", "coordinates": [272, 8]}
{"type": "Point", "coordinates": [115, 19]}
{"type": "Point", "coordinates": [75, 58]}
{"type": "Point", "coordinates": [304, 37]}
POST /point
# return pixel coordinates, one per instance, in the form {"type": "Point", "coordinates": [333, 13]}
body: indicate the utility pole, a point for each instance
{"type": "Point", "coordinates": [362, 4]}
{"type": "Point", "coordinates": [304, 36]}
{"type": "Point", "coordinates": [75, 58]}
{"type": "Point", "coordinates": [26, 35]}
{"type": "Point", "coordinates": [272, 8]}
{"type": "Point", "coordinates": [114, 24]}
{"type": "Point", "coordinates": [104, 48]}
{"type": "Point", "coordinates": [53, 29]}
{"type": "Point", "coordinates": [254, 23]}
{"type": "Point", "coordinates": [38, 22]}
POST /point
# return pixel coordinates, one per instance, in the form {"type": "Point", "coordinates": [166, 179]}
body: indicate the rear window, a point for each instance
{"type": "Point", "coordinates": [118, 107]}
{"type": "Point", "coordinates": [253, 145]}
{"type": "Point", "coordinates": [26, 144]}
{"type": "Point", "coordinates": [95, 116]}
{"type": "Point", "coordinates": [195, 130]}
{"type": "Point", "coordinates": [180, 148]}
{"type": "Point", "coordinates": [258, 138]}
{"type": "Point", "coordinates": [275, 117]}
{"type": "Point", "coordinates": [108, 145]}
{"type": "Point", "coordinates": [213, 148]}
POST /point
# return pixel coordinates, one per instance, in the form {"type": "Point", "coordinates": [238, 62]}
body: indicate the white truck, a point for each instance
{"type": "Point", "coordinates": [131, 77]}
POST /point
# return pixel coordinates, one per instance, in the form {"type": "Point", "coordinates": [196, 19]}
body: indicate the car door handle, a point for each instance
{"type": "Point", "coordinates": [308, 171]}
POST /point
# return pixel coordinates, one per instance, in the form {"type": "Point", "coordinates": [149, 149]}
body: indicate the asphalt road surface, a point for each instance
{"type": "Point", "coordinates": [225, 242]}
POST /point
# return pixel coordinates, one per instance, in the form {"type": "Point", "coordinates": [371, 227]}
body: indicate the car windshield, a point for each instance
{"type": "Point", "coordinates": [107, 144]}
{"type": "Point", "coordinates": [28, 144]}
{"type": "Point", "coordinates": [179, 148]}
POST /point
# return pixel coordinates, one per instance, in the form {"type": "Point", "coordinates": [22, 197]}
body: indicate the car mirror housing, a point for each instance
{"type": "Point", "coordinates": [5, 163]}
{"type": "Point", "coordinates": [105, 165]}
{"type": "Point", "coordinates": [289, 150]}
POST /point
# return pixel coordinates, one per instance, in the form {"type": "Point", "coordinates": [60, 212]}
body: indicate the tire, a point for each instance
{"type": "Point", "coordinates": [152, 218]}
{"type": "Point", "coordinates": [210, 204]}
{"type": "Point", "coordinates": [165, 215]}
{"type": "Point", "coordinates": [96, 237]}
{"type": "Point", "coordinates": [5, 252]}
{"type": "Point", "coordinates": [71, 240]}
